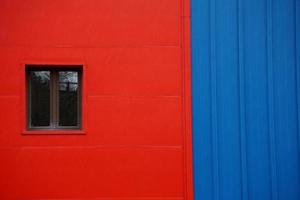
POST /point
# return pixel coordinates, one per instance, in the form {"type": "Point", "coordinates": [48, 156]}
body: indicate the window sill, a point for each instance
{"type": "Point", "coordinates": [53, 132]}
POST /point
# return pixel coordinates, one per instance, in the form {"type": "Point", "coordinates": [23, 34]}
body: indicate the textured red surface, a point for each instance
{"type": "Point", "coordinates": [136, 139]}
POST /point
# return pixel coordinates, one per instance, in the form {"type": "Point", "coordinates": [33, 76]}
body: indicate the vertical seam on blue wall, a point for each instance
{"type": "Point", "coordinates": [242, 104]}
{"type": "Point", "coordinates": [214, 112]}
{"type": "Point", "coordinates": [297, 62]}
{"type": "Point", "coordinates": [273, 164]}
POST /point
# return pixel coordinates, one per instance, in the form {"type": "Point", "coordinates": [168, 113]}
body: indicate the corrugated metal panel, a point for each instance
{"type": "Point", "coordinates": [245, 78]}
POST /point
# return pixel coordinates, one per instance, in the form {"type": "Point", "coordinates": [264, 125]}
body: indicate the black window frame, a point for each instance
{"type": "Point", "coordinates": [54, 96]}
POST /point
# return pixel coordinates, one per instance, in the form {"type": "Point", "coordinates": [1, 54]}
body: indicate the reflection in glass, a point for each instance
{"type": "Point", "coordinates": [40, 98]}
{"type": "Point", "coordinates": [68, 98]}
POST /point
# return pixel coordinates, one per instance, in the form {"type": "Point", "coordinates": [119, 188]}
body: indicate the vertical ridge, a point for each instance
{"type": "Point", "coordinates": [214, 111]}
{"type": "Point", "coordinates": [297, 65]}
{"type": "Point", "coordinates": [186, 93]}
{"type": "Point", "coordinates": [273, 164]}
{"type": "Point", "coordinates": [243, 141]}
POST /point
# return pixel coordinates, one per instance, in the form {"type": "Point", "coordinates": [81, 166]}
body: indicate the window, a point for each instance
{"type": "Point", "coordinates": [53, 97]}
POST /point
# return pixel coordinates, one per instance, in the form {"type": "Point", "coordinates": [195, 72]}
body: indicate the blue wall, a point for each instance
{"type": "Point", "coordinates": [246, 92]}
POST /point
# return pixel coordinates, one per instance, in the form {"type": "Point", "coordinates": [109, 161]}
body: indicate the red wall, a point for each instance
{"type": "Point", "coordinates": [136, 110]}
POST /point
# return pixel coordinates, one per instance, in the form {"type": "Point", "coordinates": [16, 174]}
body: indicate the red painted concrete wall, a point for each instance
{"type": "Point", "coordinates": [136, 99]}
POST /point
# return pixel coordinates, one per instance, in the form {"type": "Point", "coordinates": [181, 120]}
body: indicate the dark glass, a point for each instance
{"type": "Point", "coordinates": [68, 98]}
{"type": "Point", "coordinates": [40, 98]}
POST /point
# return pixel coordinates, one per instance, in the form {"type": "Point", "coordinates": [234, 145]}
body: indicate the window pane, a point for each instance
{"type": "Point", "coordinates": [68, 98]}
{"type": "Point", "coordinates": [40, 98]}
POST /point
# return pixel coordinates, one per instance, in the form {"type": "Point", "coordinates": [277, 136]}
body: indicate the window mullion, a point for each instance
{"type": "Point", "coordinates": [55, 99]}
{"type": "Point", "coordinates": [51, 100]}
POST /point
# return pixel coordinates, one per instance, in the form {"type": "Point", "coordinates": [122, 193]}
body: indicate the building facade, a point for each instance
{"type": "Point", "coordinates": [150, 99]}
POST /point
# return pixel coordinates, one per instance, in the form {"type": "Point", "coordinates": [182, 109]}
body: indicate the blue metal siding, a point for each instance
{"type": "Point", "coordinates": [246, 92]}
